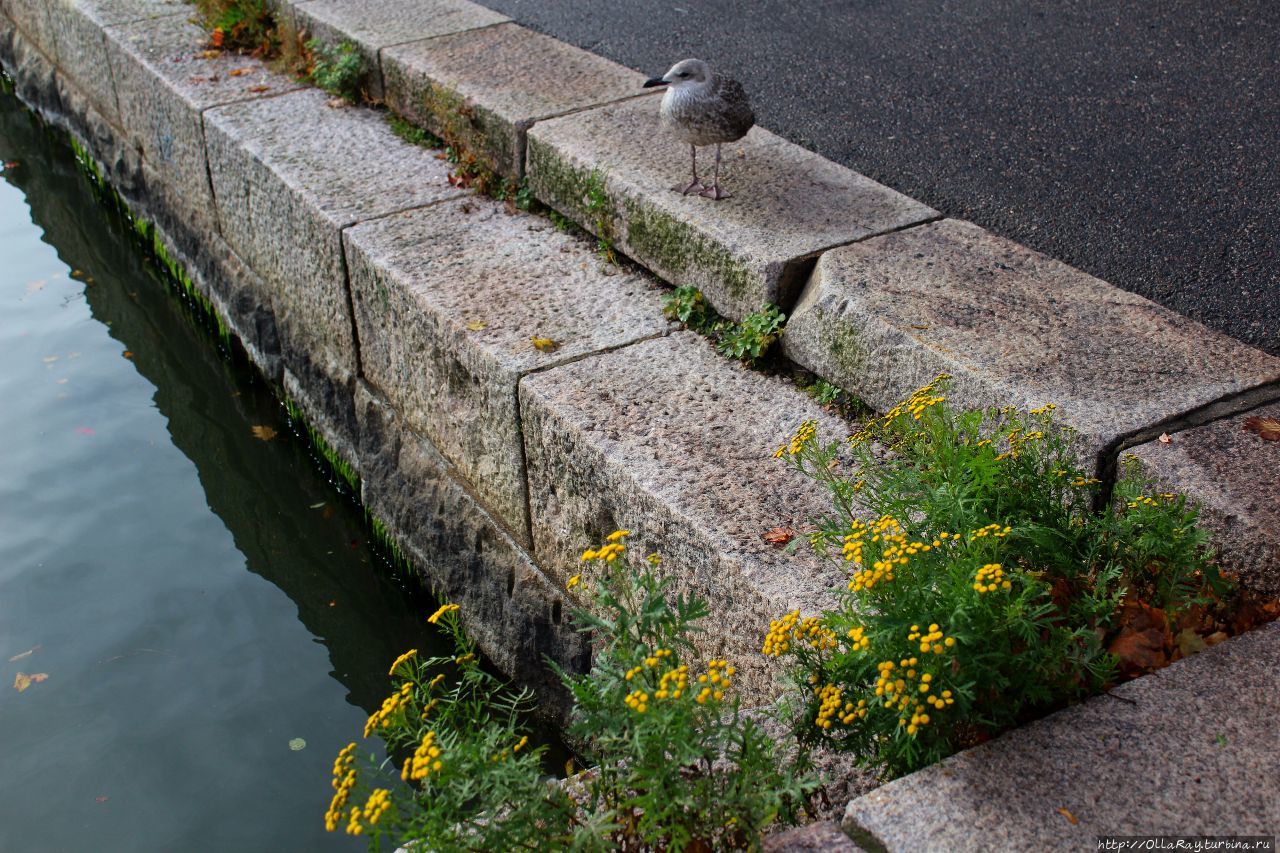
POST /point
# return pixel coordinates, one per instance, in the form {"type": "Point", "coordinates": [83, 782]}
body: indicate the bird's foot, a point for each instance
{"type": "Point", "coordinates": [694, 186]}
{"type": "Point", "coordinates": [715, 193]}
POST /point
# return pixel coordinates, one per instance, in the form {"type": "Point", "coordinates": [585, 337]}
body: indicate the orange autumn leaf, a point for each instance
{"type": "Point", "coordinates": [236, 72]}
{"type": "Point", "coordinates": [257, 89]}
{"type": "Point", "coordinates": [22, 681]}
{"type": "Point", "coordinates": [779, 536]}
{"type": "Point", "coordinates": [1165, 439]}
{"type": "Point", "coordinates": [217, 37]}
{"type": "Point", "coordinates": [263, 433]}
{"type": "Point", "coordinates": [1062, 810]}
{"type": "Point", "coordinates": [1267, 429]}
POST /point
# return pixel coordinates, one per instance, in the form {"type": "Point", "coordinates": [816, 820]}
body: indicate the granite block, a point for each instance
{"type": "Point", "coordinates": [164, 82]}
{"type": "Point", "coordinates": [374, 24]}
{"type": "Point", "coordinates": [1013, 327]}
{"type": "Point", "coordinates": [612, 170]}
{"type": "Point", "coordinates": [447, 301]}
{"type": "Point", "coordinates": [33, 19]}
{"type": "Point", "coordinates": [289, 173]}
{"type": "Point", "coordinates": [672, 441]}
{"type": "Point", "coordinates": [1234, 476]}
{"type": "Point", "coordinates": [483, 89]}
{"type": "Point", "coordinates": [1189, 750]}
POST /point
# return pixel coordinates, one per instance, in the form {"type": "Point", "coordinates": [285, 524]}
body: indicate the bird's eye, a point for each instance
{"type": "Point", "coordinates": [683, 74]}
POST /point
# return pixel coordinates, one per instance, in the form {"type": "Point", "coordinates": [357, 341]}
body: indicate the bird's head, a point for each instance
{"type": "Point", "coordinates": [686, 72]}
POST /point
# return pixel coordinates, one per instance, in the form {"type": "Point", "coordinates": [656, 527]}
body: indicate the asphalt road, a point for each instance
{"type": "Point", "coordinates": [1139, 141]}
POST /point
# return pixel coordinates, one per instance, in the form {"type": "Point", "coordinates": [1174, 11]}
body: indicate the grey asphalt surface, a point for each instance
{"type": "Point", "coordinates": [1139, 141]}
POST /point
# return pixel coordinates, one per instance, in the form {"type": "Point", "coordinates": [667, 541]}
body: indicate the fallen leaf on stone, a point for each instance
{"type": "Point", "coordinates": [258, 89]}
{"type": "Point", "coordinates": [1267, 429]}
{"type": "Point", "coordinates": [544, 344]}
{"type": "Point", "coordinates": [1189, 642]}
{"type": "Point", "coordinates": [263, 433]}
{"type": "Point", "coordinates": [779, 536]}
{"type": "Point", "coordinates": [236, 72]}
{"type": "Point", "coordinates": [920, 326]}
{"type": "Point", "coordinates": [28, 653]}
{"type": "Point", "coordinates": [1143, 639]}
{"type": "Point", "coordinates": [211, 54]}
{"type": "Point", "coordinates": [332, 103]}
{"type": "Point", "coordinates": [217, 36]}
{"type": "Point", "coordinates": [1062, 810]}
{"type": "Point", "coordinates": [22, 681]}
{"type": "Point", "coordinates": [1165, 439]}
{"type": "Point", "coordinates": [1215, 638]}
{"type": "Point", "coordinates": [477, 326]}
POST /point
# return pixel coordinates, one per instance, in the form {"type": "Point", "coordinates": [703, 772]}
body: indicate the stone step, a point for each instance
{"type": "Point", "coordinates": [1189, 750]}
{"type": "Point", "coordinates": [289, 173]}
{"type": "Point", "coordinates": [484, 88]}
{"type": "Point", "coordinates": [81, 49]}
{"type": "Point", "coordinates": [670, 440]}
{"type": "Point", "coordinates": [448, 300]}
{"type": "Point", "coordinates": [612, 169]}
{"type": "Point", "coordinates": [164, 81]}
{"type": "Point", "coordinates": [1013, 327]}
{"type": "Point", "coordinates": [371, 25]}
{"type": "Point", "coordinates": [1234, 475]}
{"type": "Point", "coordinates": [33, 20]}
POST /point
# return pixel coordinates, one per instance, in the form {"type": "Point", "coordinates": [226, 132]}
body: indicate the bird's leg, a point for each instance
{"type": "Point", "coordinates": [695, 184]}
{"type": "Point", "coordinates": [714, 191]}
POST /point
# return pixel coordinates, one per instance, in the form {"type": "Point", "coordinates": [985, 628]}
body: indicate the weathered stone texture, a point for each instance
{"type": "Point", "coordinates": [1013, 327]}
{"type": "Point", "coordinates": [289, 173]}
{"type": "Point", "coordinates": [1234, 475]}
{"type": "Point", "coordinates": [517, 617]}
{"type": "Point", "coordinates": [612, 169]}
{"type": "Point", "coordinates": [374, 24]}
{"type": "Point", "coordinates": [82, 43]}
{"type": "Point", "coordinates": [822, 837]}
{"type": "Point", "coordinates": [1190, 750]}
{"type": "Point", "coordinates": [483, 89]}
{"type": "Point", "coordinates": [429, 273]}
{"type": "Point", "coordinates": [675, 443]}
{"type": "Point", "coordinates": [164, 81]}
{"type": "Point", "coordinates": [32, 18]}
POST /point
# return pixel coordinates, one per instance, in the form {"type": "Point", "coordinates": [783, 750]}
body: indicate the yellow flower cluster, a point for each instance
{"type": "Point", "coordinates": [444, 608]}
{"type": "Point", "coordinates": [896, 551]}
{"type": "Point", "coordinates": [393, 703]}
{"type": "Point", "coordinates": [638, 701]}
{"type": "Point", "coordinates": [649, 662]}
{"type": "Point", "coordinates": [344, 779]}
{"type": "Point", "coordinates": [612, 549]}
{"type": "Point", "coordinates": [673, 683]}
{"type": "Point", "coordinates": [828, 705]}
{"type": "Point", "coordinates": [1081, 482]}
{"type": "Point", "coordinates": [573, 581]}
{"type": "Point", "coordinates": [898, 692]}
{"type": "Point", "coordinates": [919, 402]}
{"type": "Point", "coordinates": [806, 433]}
{"type": "Point", "coordinates": [375, 807]}
{"type": "Point", "coordinates": [994, 530]}
{"type": "Point", "coordinates": [424, 761]}
{"type": "Point", "coordinates": [1044, 410]}
{"type": "Point", "coordinates": [932, 640]}
{"type": "Point", "coordinates": [402, 659]}
{"type": "Point", "coordinates": [990, 578]}
{"type": "Point", "coordinates": [858, 639]}
{"type": "Point", "coordinates": [715, 681]}
{"type": "Point", "coordinates": [1147, 500]}
{"type": "Point", "coordinates": [781, 631]}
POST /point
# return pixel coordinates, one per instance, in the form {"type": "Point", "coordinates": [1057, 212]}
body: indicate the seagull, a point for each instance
{"type": "Point", "coordinates": [701, 107]}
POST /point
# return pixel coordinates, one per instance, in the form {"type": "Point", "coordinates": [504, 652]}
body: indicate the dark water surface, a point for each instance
{"type": "Point", "coordinates": [197, 597]}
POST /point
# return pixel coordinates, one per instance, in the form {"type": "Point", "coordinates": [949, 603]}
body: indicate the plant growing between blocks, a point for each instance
{"type": "Point", "coordinates": [747, 341]}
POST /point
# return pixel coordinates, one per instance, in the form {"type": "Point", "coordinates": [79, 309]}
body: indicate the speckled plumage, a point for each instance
{"type": "Point", "coordinates": [701, 107]}
{"type": "Point", "coordinates": [713, 112]}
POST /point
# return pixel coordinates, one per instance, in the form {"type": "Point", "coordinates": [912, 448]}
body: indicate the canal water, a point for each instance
{"type": "Point", "coordinates": [191, 606]}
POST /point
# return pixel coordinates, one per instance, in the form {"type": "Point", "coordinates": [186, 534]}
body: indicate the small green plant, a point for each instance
{"type": "Point", "coordinates": [468, 778]}
{"type": "Point", "coordinates": [749, 340]}
{"type": "Point", "coordinates": [339, 69]}
{"type": "Point", "coordinates": [677, 765]}
{"type": "Point", "coordinates": [411, 133]}
{"type": "Point", "coordinates": [340, 467]}
{"type": "Point", "coordinates": [983, 587]}
{"type": "Point", "coordinates": [600, 209]}
{"type": "Point", "coordinates": [823, 392]}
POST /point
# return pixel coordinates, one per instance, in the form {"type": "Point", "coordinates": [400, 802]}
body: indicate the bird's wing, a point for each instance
{"type": "Point", "coordinates": [738, 107]}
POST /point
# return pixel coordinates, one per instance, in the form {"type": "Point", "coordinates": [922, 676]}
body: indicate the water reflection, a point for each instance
{"type": "Point", "coordinates": [135, 497]}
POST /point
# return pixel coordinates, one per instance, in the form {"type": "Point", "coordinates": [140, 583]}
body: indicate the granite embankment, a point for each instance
{"type": "Point", "coordinates": [396, 310]}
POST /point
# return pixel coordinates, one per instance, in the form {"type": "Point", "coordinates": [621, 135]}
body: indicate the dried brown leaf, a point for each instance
{"type": "Point", "coordinates": [779, 536]}
{"type": "Point", "coordinates": [1267, 429]}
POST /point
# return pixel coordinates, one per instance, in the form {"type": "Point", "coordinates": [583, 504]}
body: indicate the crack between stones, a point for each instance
{"type": "Point", "coordinates": [862, 836]}
{"type": "Point", "coordinates": [1108, 458]}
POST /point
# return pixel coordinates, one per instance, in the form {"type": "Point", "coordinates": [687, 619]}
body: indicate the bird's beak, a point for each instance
{"type": "Point", "coordinates": [656, 81]}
